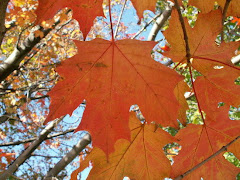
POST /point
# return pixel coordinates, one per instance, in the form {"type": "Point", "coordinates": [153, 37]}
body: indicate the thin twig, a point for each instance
{"type": "Point", "coordinates": [146, 25]}
{"type": "Point", "coordinates": [119, 19]}
{"type": "Point", "coordinates": [224, 148]}
{"type": "Point", "coordinates": [224, 16]}
{"type": "Point", "coordinates": [39, 97]}
{"type": "Point", "coordinates": [194, 90]}
{"type": "Point", "coordinates": [40, 155]}
{"type": "Point", "coordinates": [33, 139]}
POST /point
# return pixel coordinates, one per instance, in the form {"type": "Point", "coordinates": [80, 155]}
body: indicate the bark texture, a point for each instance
{"type": "Point", "coordinates": [69, 157]}
{"type": "Point", "coordinates": [3, 7]}
{"type": "Point", "coordinates": [160, 22]}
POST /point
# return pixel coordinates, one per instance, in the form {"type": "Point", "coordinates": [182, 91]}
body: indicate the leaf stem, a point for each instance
{"type": "Point", "coordinates": [188, 55]}
{"type": "Point", "coordinates": [33, 139]}
{"type": "Point", "coordinates": [146, 25]}
{"type": "Point", "coordinates": [194, 90]}
{"type": "Point", "coordinates": [110, 16]}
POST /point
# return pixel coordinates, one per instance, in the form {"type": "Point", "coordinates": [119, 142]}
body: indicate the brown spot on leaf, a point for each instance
{"type": "Point", "coordinates": [100, 64]}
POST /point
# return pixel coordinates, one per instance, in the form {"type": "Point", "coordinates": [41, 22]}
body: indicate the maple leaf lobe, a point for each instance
{"type": "Point", "coordinates": [84, 11]}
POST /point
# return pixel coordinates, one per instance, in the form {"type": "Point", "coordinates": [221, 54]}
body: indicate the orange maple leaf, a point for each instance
{"type": "Point", "coordinates": [201, 40]}
{"type": "Point", "coordinates": [84, 11]}
{"type": "Point", "coordinates": [112, 76]}
{"type": "Point", "coordinates": [216, 85]}
{"type": "Point", "coordinates": [236, 20]}
{"type": "Point", "coordinates": [165, 48]}
{"type": "Point", "coordinates": [142, 158]}
{"type": "Point", "coordinates": [206, 140]}
{"type": "Point", "coordinates": [144, 5]}
{"type": "Point", "coordinates": [6, 154]}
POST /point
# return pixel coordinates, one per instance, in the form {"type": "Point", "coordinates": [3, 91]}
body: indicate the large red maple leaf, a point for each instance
{"type": "Point", "coordinates": [112, 76]}
{"type": "Point", "coordinates": [84, 11]}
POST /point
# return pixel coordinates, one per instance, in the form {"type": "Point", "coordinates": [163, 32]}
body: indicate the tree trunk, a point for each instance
{"type": "Point", "coordinates": [160, 22]}
{"type": "Point", "coordinates": [3, 7]}
{"type": "Point", "coordinates": [69, 157]}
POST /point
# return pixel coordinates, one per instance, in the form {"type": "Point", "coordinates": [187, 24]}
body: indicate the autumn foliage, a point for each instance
{"type": "Point", "coordinates": [112, 75]}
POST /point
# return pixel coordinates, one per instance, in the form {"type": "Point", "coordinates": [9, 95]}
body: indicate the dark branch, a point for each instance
{"type": "Point", "coordinates": [224, 16]}
{"type": "Point", "coordinates": [5, 117]}
{"type": "Point", "coordinates": [40, 155]}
